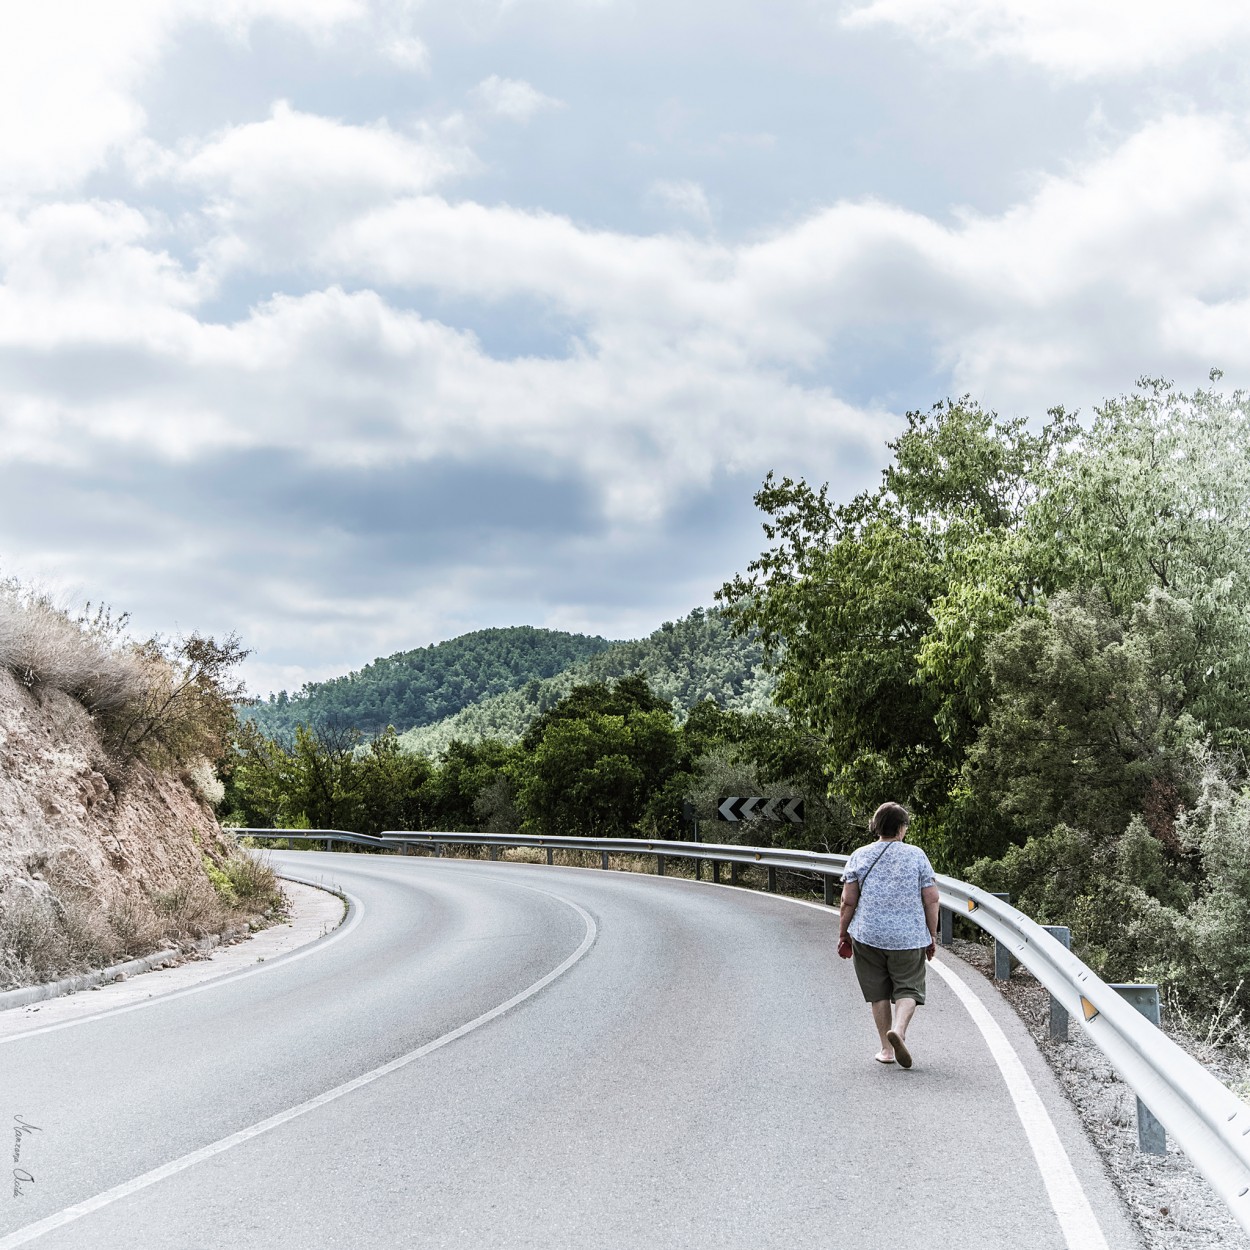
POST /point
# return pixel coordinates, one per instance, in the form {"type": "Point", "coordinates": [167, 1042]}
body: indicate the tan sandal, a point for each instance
{"type": "Point", "coordinates": [901, 1053]}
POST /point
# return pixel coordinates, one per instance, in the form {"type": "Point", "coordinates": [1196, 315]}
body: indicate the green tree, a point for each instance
{"type": "Point", "coordinates": [390, 787]}
{"type": "Point", "coordinates": [875, 614]}
{"type": "Point", "coordinates": [308, 784]}
{"type": "Point", "coordinates": [590, 764]}
{"type": "Point", "coordinates": [1155, 495]}
{"type": "Point", "coordinates": [466, 772]}
{"type": "Point", "coordinates": [1091, 721]}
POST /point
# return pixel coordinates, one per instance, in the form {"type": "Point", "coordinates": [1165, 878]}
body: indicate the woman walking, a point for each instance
{"type": "Point", "coordinates": [889, 923]}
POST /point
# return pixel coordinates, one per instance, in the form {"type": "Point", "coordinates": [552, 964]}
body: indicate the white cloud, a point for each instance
{"type": "Point", "coordinates": [273, 189]}
{"type": "Point", "coordinates": [292, 159]}
{"type": "Point", "coordinates": [512, 98]}
{"type": "Point", "coordinates": [69, 70]}
{"type": "Point", "coordinates": [1072, 38]}
{"type": "Point", "coordinates": [690, 356]}
{"type": "Point", "coordinates": [408, 52]}
{"type": "Point", "coordinates": [683, 197]}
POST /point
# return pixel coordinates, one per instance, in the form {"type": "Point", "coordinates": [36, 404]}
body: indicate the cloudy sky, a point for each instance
{"type": "Point", "coordinates": [352, 325]}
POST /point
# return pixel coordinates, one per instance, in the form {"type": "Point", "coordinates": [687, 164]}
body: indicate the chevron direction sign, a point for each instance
{"type": "Point", "coordinates": [757, 808]}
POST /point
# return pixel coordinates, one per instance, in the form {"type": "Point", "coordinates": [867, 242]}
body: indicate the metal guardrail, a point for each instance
{"type": "Point", "coordinates": [1206, 1119]}
{"type": "Point", "coordinates": [328, 836]}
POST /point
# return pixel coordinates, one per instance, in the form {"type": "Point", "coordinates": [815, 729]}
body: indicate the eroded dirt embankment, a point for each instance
{"type": "Point", "coordinates": [99, 863]}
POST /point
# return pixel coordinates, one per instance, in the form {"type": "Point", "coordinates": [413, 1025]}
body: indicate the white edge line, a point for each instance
{"type": "Point", "coordinates": [68, 1215]}
{"type": "Point", "coordinates": [1068, 1199]}
{"type": "Point", "coordinates": [1080, 1226]}
{"type": "Point", "coordinates": [356, 909]}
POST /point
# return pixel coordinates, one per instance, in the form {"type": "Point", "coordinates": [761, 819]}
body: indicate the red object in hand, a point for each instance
{"type": "Point", "coordinates": [844, 948]}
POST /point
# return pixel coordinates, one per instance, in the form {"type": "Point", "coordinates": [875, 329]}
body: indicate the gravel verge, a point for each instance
{"type": "Point", "coordinates": [311, 914]}
{"type": "Point", "coordinates": [1167, 1197]}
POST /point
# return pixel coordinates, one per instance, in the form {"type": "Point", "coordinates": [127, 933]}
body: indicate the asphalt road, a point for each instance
{"type": "Point", "coordinates": [698, 1072]}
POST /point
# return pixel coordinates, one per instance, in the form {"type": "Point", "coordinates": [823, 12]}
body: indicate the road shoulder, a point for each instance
{"type": "Point", "coordinates": [312, 914]}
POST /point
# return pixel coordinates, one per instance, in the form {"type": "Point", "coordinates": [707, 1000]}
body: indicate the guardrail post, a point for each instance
{"type": "Point", "coordinates": [494, 852]}
{"type": "Point", "coordinates": [733, 872]}
{"type": "Point", "coordinates": [698, 869]}
{"type": "Point", "coordinates": [438, 850]}
{"type": "Point", "coordinates": [1002, 956]}
{"type": "Point", "coordinates": [550, 860]}
{"type": "Point", "coordinates": [1058, 1012]}
{"type": "Point", "coordinates": [603, 859]}
{"type": "Point", "coordinates": [659, 865]}
{"type": "Point", "coordinates": [1151, 1138]}
{"type": "Point", "coordinates": [830, 899]}
{"type": "Point", "coordinates": [328, 842]}
{"type": "Point", "coordinates": [946, 926]}
{"type": "Point", "coordinates": [772, 879]}
{"type": "Point", "coordinates": [716, 872]}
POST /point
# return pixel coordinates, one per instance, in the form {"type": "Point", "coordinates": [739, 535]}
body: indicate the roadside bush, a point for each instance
{"type": "Point", "coordinates": [1122, 899]}
{"type": "Point", "coordinates": [221, 883]}
{"type": "Point", "coordinates": [161, 702]}
{"type": "Point", "coordinates": [1217, 829]}
{"type": "Point", "coordinates": [253, 881]}
{"type": "Point", "coordinates": [64, 929]}
{"type": "Point", "coordinates": [42, 645]}
{"type": "Point", "coordinates": [1138, 912]}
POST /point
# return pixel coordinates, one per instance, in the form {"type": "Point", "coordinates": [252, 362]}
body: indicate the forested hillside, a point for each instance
{"type": "Point", "coordinates": [422, 686]}
{"type": "Point", "coordinates": [684, 662]}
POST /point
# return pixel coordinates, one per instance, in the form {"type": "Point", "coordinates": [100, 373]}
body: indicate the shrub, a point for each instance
{"type": "Point", "coordinates": [42, 645]}
{"type": "Point", "coordinates": [1217, 828]}
{"type": "Point", "coordinates": [208, 785]}
{"type": "Point", "coordinates": [1124, 902]}
{"type": "Point", "coordinates": [165, 703]}
{"type": "Point", "coordinates": [1137, 912]}
{"type": "Point", "coordinates": [220, 882]}
{"type": "Point", "coordinates": [252, 880]}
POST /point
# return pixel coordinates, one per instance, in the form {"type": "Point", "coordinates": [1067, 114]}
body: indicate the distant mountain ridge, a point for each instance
{"type": "Point", "coordinates": [686, 661]}
{"type": "Point", "coordinates": [428, 684]}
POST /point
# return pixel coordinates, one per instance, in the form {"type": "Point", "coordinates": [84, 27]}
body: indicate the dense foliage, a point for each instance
{"type": "Point", "coordinates": [1040, 640]}
{"type": "Point", "coordinates": [685, 662]}
{"type": "Point", "coordinates": [1036, 636]}
{"type": "Point", "coordinates": [423, 686]}
{"type": "Point", "coordinates": [609, 759]}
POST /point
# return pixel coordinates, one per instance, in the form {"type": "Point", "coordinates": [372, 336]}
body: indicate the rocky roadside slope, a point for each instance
{"type": "Point", "coordinates": [95, 863]}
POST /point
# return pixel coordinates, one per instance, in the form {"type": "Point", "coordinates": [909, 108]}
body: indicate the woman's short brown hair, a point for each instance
{"type": "Point", "coordinates": [888, 819]}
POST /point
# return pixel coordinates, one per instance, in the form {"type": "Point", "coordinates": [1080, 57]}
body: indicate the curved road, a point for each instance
{"type": "Point", "coordinates": [684, 1065]}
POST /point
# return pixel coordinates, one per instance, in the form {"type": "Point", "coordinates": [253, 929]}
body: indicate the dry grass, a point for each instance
{"type": "Point", "coordinates": [161, 702]}
{"type": "Point", "coordinates": [42, 645]}
{"type": "Point", "coordinates": [66, 929]}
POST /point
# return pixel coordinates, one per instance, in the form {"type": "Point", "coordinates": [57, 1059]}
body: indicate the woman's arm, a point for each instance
{"type": "Point", "coordinates": [932, 903]}
{"type": "Point", "coordinates": [850, 901]}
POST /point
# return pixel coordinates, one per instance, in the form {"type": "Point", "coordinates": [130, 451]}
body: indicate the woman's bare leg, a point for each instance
{"type": "Point", "coordinates": [904, 1009]}
{"type": "Point", "coordinates": [881, 1017]}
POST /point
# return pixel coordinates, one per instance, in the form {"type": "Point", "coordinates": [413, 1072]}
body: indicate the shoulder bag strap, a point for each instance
{"type": "Point", "coordinates": [875, 862]}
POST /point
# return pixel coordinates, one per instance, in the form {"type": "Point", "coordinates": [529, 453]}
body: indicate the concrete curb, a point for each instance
{"type": "Point", "coordinates": [84, 981]}
{"type": "Point", "coordinates": [102, 976]}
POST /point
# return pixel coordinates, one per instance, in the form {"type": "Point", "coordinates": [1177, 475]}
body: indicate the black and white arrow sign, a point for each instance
{"type": "Point", "coordinates": [757, 807]}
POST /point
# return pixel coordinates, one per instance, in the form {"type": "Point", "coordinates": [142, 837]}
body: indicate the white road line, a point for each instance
{"type": "Point", "coordinates": [1080, 1226]}
{"type": "Point", "coordinates": [314, 947]}
{"type": "Point", "coordinates": [1076, 1217]}
{"type": "Point", "coordinates": [80, 1209]}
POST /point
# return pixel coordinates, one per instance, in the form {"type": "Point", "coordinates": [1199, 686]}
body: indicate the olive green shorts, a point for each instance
{"type": "Point", "coordinates": [889, 974]}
